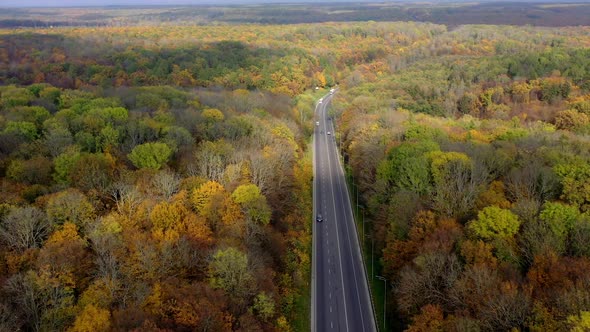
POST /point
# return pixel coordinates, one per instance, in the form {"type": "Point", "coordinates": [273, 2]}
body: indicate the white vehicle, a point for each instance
{"type": "Point", "coordinates": [317, 123]}
{"type": "Point", "coordinates": [320, 101]}
{"type": "Point", "coordinates": [332, 91]}
{"type": "Point", "coordinates": [328, 133]}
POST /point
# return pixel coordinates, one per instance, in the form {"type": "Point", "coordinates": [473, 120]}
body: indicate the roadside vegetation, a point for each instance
{"type": "Point", "coordinates": [471, 157]}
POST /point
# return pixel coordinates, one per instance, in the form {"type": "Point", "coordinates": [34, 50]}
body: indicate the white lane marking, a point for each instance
{"type": "Point", "coordinates": [347, 230]}
{"type": "Point", "coordinates": [355, 240]}
{"type": "Point", "coordinates": [316, 183]}
{"type": "Point", "coordinates": [337, 236]}
{"type": "Point", "coordinates": [331, 325]}
{"type": "Point", "coordinates": [314, 238]}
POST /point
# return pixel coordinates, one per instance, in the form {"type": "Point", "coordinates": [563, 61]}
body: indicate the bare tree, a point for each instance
{"type": "Point", "coordinates": [429, 281]}
{"type": "Point", "coordinates": [126, 197]}
{"type": "Point", "coordinates": [26, 297]}
{"type": "Point", "coordinates": [57, 139]}
{"type": "Point", "coordinates": [455, 195]}
{"type": "Point", "coordinates": [508, 309]}
{"type": "Point", "coordinates": [476, 285]}
{"type": "Point", "coordinates": [580, 238]}
{"type": "Point", "coordinates": [210, 160]}
{"type": "Point", "coordinates": [537, 238]}
{"type": "Point", "coordinates": [8, 319]}
{"type": "Point", "coordinates": [24, 228]}
{"type": "Point", "coordinates": [232, 174]}
{"type": "Point", "coordinates": [105, 243]}
{"type": "Point", "coordinates": [532, 181]}
{"type": "Point", "coordinates": [166, 183]}
{"type": "Point", "coordinates": [262, 172]}
{"type": "Point", "coordinates": [282, 163]}
{"type": "Point", "coordinates": [498, 305]}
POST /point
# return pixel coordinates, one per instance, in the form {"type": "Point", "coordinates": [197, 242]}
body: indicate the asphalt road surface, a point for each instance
{"type": "Point", "coordinates": [340, 294]}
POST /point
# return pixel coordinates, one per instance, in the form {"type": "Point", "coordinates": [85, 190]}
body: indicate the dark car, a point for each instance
{"type": "Point", "coordinates": [319, 218]}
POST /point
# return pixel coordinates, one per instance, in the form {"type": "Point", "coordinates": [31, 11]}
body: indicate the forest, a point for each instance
{"type": "Point", "coordinates": [450, 13]}
{"type": "Point", "coordinates": [159, 178]}
{"type": "Point", "coordinates": [471, 158]}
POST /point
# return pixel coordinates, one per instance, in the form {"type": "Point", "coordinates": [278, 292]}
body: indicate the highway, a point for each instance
{"type": "Point", "coordinates": [340, 294]}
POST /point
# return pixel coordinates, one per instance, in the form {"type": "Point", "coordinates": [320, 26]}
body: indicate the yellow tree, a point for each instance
{"type": "Point", "coordinates": [171, 220]}
{"type": "Point", "coordinates": [92, 319]}
{"type": "Point", "coordinates": [64, 253]}
{"type": "Point", "coordinates": [579, 323]}
{"type": "Point", "coordinates": [203, 196]}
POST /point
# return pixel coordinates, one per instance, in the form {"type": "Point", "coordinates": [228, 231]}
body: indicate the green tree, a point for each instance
{"type": "Point", "coordinates": [493, 222]}
{"type": "Point", "coordinates": [35, 170]}
{"type": "Point", "coordinates": [13, 96]}
{"type": "Point", "coordinates": [246, 193]}
{"type": "Point", "coordinates": [406, 167]}
{"type": "Point", "coordinates": [150, 155]}
{"type": "Point", "coordinates": [22, 129]}
{"type": "Point", "coordinates": [253, 203]}
{"type": "Point", "coordinates": [57, 139]}
{"type": "Point", "coordinates": [33, 114]}
{"type": "Point", "coordinates": [177, 137]}
{"type": "Point", "coordinates": [115, 115]}
{"type": "Point", "coordinates": [264, 306]}
{"type": "Point", "coordinates": [560, 218]}
{"type": "Point", "coordinates": [575, 179]}
{"type": "Point", "coordinates": [109, 137]}
{"type": "Point", "coordinates": [86, 141]}
{"type": "Point", "coordinates": [229, 271]}
{"type": "Point", "coordinates": [64, 164]}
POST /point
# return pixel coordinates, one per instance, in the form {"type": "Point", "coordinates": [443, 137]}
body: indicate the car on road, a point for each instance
{"type": "Point", "coordinates": [319, 218]}
{"type": "Point", "coordinates": [317, 123]}
{"type": "Point", "coordinates": [329, 133]}
{"type": "Point", "coordinates": [320, 101]}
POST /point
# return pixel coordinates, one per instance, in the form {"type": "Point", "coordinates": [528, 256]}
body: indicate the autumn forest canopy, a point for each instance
{"type": "Point", "coordinates": [156, 175]}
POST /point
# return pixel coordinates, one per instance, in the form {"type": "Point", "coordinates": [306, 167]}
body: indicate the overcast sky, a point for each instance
{"type": "Point", "coordinates": [74, 3]}
{"type": "Point", "coordinates": [70, 3]}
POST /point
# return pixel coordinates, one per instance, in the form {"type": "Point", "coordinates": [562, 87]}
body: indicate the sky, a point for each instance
{"type": "Point", "coordinates": [73, 3]}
